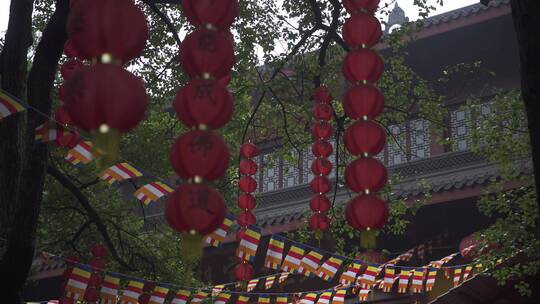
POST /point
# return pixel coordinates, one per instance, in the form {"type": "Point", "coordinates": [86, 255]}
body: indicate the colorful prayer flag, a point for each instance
{"type": "Point", "coordinates": [405, 257]}
{"type": "Point", "coordinates": [310, 263]}
{"type": "Point", "coordinates": [132, 292]}
{"type": "Point", "coordinates": [158, 295]}
{"type": "Point", "coordinates": [348, 277]}
{"type": "Point", "coordinates": [263, 299]}
{"type": "Point", "coordinates": [119, 172]}
{"type": "Point", "coordinates": [339, 297]}
{"type": "Point", "coordinates": [467, 272]}
{"type": "Point", "coordinates": [389, 278]}
{"type": "Point", "coordinates": [269, 282]}
{"type": "Point", "coordinates": [217, 237]}
{"type": "Point", "coordinates": [291, 263]}
{"type": "Point", "coordinates": [368, 278]}
{"type": "Point", "coordinates": [49, 131]}
{"type": "Point", "coordinates": [223, 298]}
{"type": "Point", "coordinates": [81, 154]}
{"type": "Point", "coordinates": [325, 297]}
{"type": "Point", "coordinates": [363, 294]}
{"type": "Point", "coordinates": [181, 297]}
{"type": "Point", "coordinates": [242, 299]}
{"type": "Point", "coordinates": [247, 248]}
{"type": "Point", "coordinates": [282, 277]}
{"type": "Point", "coordinates": [282, 299]}
{"type": "Point", "coordinates": [430, 282]}
{"type": "Point", "coordinates": [217, 290]}
{"type": "Point", "coordinates": [151, 192]}
{"type": "Point", "coordinates": [78, 282]}
{"type": "Point", "coordinates": [309, 298]}
{"type": "Point", "coordinates": [109, 289]}
{"type": "Point", "coordinates": [417, 280]}
{"type": "Point", "coordinates": [403, 280]}
{"type": "Point", "coordinates": [252, 284]}
{"type": "Point", "coordinates": [457, 276]}
{"type": "Point", "coordinates": [199, 297]}
{"type": "Point", "coordinates": [8, 105]}
{"type": "Point", "coordinates": [329, 268]}
{"type": "Point", "coordinates": [275, 252]}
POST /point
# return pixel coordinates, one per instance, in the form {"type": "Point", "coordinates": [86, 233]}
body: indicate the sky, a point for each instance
{"type": "Point", "coordinates": [407, 6]}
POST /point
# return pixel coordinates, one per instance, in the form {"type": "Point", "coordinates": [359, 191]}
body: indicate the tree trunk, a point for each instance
{"type": "Point", "coordinates": [20, 250]}
{"type": "Point", "coordinates": [526, 15]}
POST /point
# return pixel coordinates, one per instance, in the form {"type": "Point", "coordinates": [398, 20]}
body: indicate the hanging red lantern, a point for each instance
{"type": "Point", "coordinates": [105, 94]}
{"type": "Point", "coordinates": [248, 166]}
{"type": "Point", "coordinates": [61, 115]}
{"type": "Point", "coordinates": [203, 102]}
{"type": "Point", "coordinates": [249, 150]}
{"type": "Point", "coordinates": [366, 212]}
{"type": "Point", "coordinates": [95, 280]}
{"type": "Point", "coordinates": [207, 53]}
{"type": "Point", "coordinates": [144, 298]}
{"type": "Point", "coordinates": [363, 100]}
{"type": "Point", "coordinates": [320, 184]}
{"type": "Point", "coordinates": [91, 294]}
{"type": "Point", "coordinates": [220, 14]}
{"type": "Point", "coordinates": [246, 218]}
{"type": "Point", "coordinates": [365, 136]}
{"type": "Point", "coordinates": [201, 154]}
{"type": "Point", "coordinates": [356, 6]}
{"type": "Point", "coordinates": [469, 247]}
{"type": "Point", "coordinates": [70, 50]}
{"type": "Point", "coordinates": [247, 184]}
{"type": "Point", "coordinates": [321, 166]}
{"type": "Point", "coordinates": [322, 95]}
{"type": "Point", "coordinates": [320, 203]}
{"type": "Point", "coordinates": [362, 30]}
{"type": "Point", "coordinates": [246, 201]}
{"type": "Point", "coordinates": [97, 264]}
{"type": "Point", "coordinates": [365, 174]}
{"type": "Point", "coordinates": [322, 148]}
{"type": "Point", "coordinates": [99, 251]}
{"type": "Point", "coordinates": [240, 234]}
{"type": "Point", "coordinates": [362, 65]}
{"type": "Point", "coordinates": [243, 272]}
{"type": "Point", "coordinates": [69, 140]}
{"type": "Point", "coordinates": [322, 130]}
{"type": "Point", "coordinates": [98, 27]}
{"type": "Point", "coordinates": [319, 221]}
{"type": "Point", "coordinates": [196, 208]}
{"type": "Point", "coordinates": [225, 80]}
{"type": "Point", "coordinates": [148, 287]}
{"type": "Point", "coordinates": [323, 111]}
{"type": "Point", "coordinates": [69, 68]}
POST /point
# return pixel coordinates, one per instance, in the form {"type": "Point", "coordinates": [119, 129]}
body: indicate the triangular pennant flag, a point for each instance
{"type": "Point", "coordinates": [291, 263]}
{"type": "Point", "coordinates": [418, 280]}
{"type": "Point", "coordinates": [329, 268]}
{"type": "Point", "coordinates": [363, 294]}
{"type": "Point", "coordinates": [325, 297]}
{"type": "Point", "coordinates": [282, 277]}
{"type": "Point", "coordinates": [120, 172]}
{"type": "Point", "coordinates": [217, 289]}
{"type": "Point", "coordinates": [430, 282]}
{"type": "Point", "coordinates": [223, 298]}
{"type": "Point", "coordinates": [457, 276]}
{"type": "Point", "coordinates": [132, 292]}
{"type": "Point", "coordinates": [263, 299]}
{"type": "Point", "coordinates": [78, 282]}
{"type": "Point", "coordinates": [389, 278]}
{"type": "Point", "coordinates": [242, 299]}
{"type": "Point", "coordinates": [310, 263]}
{"type": "Point", "coordinates": [269, 282]}
{"type": "Point", "coordinates": [199, 297]}
{"type": "Point", "coordinates": [274, 255]}
{"type": "Point", "coordinates": [81, 154]}
{"type": "Point", "coordinates": [109, 289]}
{"type": "Point", "coordinates": [403, 280]}
{"type": "Point", "coordinates": [158, 295]}
{"type": "Point", "coordinates": [247, 247]}
{"type": "Point", "coordinates": [217, 237]}
{"type": "Point", "coordinates": [181, 297]}
{"type": "Point", "coordinates": [348, 277]}
{"type": "Point", "coordinates": [339, 297]}
{"type": "Point", "coordinates": [252, 284]}
{"type": "Point", "coordinates": [368, 278]}
{"type": "Point", "coordinates": [49, 131]}
{"type": "Point", "coordinates": [9, 105]}
{"type": "Point", "coordinates": [309, 298]}
{"type": "Point", "coordinates": [151, 192]}
{"type": "Point", "coordinates": [282, 299]}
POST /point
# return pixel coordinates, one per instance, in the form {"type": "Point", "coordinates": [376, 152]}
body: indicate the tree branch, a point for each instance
{"type": "Point", "coordinates": [164, 18]}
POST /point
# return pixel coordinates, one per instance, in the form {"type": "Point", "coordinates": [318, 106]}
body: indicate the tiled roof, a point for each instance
{"type": "Point", "coordinates": [464, 12]}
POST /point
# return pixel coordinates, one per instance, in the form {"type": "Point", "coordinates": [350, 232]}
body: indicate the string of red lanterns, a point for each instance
{"type": "Point", "coordinates": [321, 167]}
{"type": "Point", "coordinates": [363, 102]}
{"type": "Point", "coordinates": [200, 156]}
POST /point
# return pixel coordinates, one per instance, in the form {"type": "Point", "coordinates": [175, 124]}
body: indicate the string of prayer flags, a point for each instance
{"type": "Point", "coordinates": [310, 263]}
{"type": "Point", "coordinates": [467, 272]}
{"type": "Point", "coordinates": [457, 276]}
{"type": "Point", "coordinates": [151, 192]}
{"type": "Point", "coordinates": [430, 282]}
{"type": "Point", "coordinates": [348, 277]}
{"type": "Point", "coordinates": [403, 280]}
{"type": "Point", "coordinates": [263, 299]}
{"type": "Point", "coordinates": [181, 297]}
{"type": "Point", "coordinates": [132, 292]}
{"type": "Point", "coordinates": [325, 297]}
{"type": "Point", "coordinates": [274, 255]}
{"type": "Point", "coordinates": [199, 297]}
{"type": "Point", "coordinates": [283, 299]}
{"type": "Point", "coordinates": [407, 256]}
{"type": "Point", "coordinates": [158, 295]}
{"type": "Point", "coordinates": [417, 280]}
{"type": "Point", "coordinates": [242, 299]}
{"type": "Point", "coordinates": [247, 248]}
{"type": "Point", "coordinates": [8, 105]}
{"type": "Point", "coordinates": [368, 278]}
{"type": "Point", "coordinates": [291, 263]}
{"type": "Point", "coordinates": [363, 294]}
{"type": "Point", "coordinates": [119, 172]}
{"type": "Point", "coordinates": [109, 289]}
{"type": "Point", "coordinates": [81, 154]}
{"type": "Point", "coordinates": [309, 298]}
{"type": "Point", "coordinates": [329, 268]}
{"type": "Point", "coordinates": [339, 297]}
{"type": "Point", "coordinates": [223, 298]}
{"type": "Point", "coordinates": [49, 131]}
{"type": "Point", "coordinates": [440, 263]}
{"type": "Point", "coordinates": [78, 282]}
{"type": "Point", "coordinates": [389, 278]}
{"type": "Point", "coordinates": [252, 284]}
{"type": "Point", "coordinates": [217, 237]}
{"type": "Point", "coordinates": [282, 277]}
{"type": "Point", "coordinates": [269, 282]}
{"type": "Point", "coordinates": [217, 289]}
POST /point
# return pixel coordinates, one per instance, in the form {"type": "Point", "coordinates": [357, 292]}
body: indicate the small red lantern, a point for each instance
{"type": "Point", "coordinates": [356, 6]}
{"type": "Point", "coordinates": [365, 174]}
{"type": "Point", "coordinates": [200, 154]}
{"type": "Point", "coordinates": [323, 111]}
{"type": "Point", "coordinates": [70, 50]}
{"type": "Point", "coordinates": [246, 201]}
{"type": "Point", "coordinates": [320, 203]}
{"type": "Point", "coordinates": [248, 166]}
{"type": "Point", "coordinates": [99, 251]}
{"type": "Point", "coordinates": [247, 184]}
{"type": "Point", "coordinates": [144, 298]}
{"type": "Point", "coordinates": [220, 14]}
{"type": "Point", "coordinates": [195, 208]}
{"type": "Point", "coordinates": [362, 65]}
{"type": "Point", "coordinates": [204, 102]}
{"type": "Point", "coordinates": [363, 100]}
{"type": "Point", "coordinates": [365, 136]}
{"type": "Point", "coordinates": [97, 27]}
{"type": "Point", "coordinates": [95, 280]}
{"type": "Point", "coordinates": [70, 139]}
{"type": "Point", "coordinates": [97, 264]}
{"type": "Point", "coordinates": [243, 271]}
{"type": "Point", "coordinates": [70, 67]}
{"type": "Point", "coordinates": [362, 30]}
{"type": "Point", "coordinates": [240, 234]}
{"type": "Point", "coordinates": [246, 218]}
{"type": "Point", "coordinates": [207, 53]}
{"type": "Point", "coordinates": [61, 115]}
{"type": "Point", "coordinates": [321, 166]}
{"type": "Point", "coordinates": [148, 287]}
{"type": "Point", "coordinates": [366, 212]}
{"type": "Point", "coordinates": [91, 294]}
{"type": "Point", "coordinates": [249, 150]}
{"type": "Point", "coordinates": [319, 221]}
{"type": "Point", "coordinates": [322, 130]}
{"type": "Point", "coordinates": [320, 184]}
{"type": "Point", "coordinates": [322, 94]}
{"type": "Point", "coordinates": [322, 148]}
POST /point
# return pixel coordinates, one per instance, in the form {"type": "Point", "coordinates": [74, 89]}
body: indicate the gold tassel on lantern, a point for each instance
{"type": "Point", "coordinates": [191, 246]}
{"type": "Point", "coordinates": [368, 239]}
{"type": "Point", "coordinates": [106, 143]}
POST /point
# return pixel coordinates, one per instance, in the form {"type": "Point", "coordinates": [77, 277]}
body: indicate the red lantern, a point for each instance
{"type": "Point", "coordinates": [105, 94]}
{"type": "Point", "coordinates": [469, 246]}
{"type": "Point", "coordinates": [248, 166]}
{"type": "Point", "coordinates": [95, 280]}
{"type": "Point", "coordinates": [240, 234]}
{"type": "Point", "coordinates": [320, 184]}
{"type": "Point", "coordinates": [246, 218]}
{"type": "Point", "coordinates": [195, 208]}
{"type": "Point", "coordinates": [144, 298]}
{"type": "Point", "coordinates": [99, 251]}
{"type": "Point", "coordinates": [204, 102]}
{"type": "Point", "coordinates": [363, 100]}
{"type": "Point", "coordinates": [365, 174]}
{"type": "Point", "coordinates": [225, 80]}
{"type": "Point", "coordinates": [323, 111]}
{"type": "Point", "coordinates": [322, 94]}
{"type": "Point", "coordinates": [321, 166]}
{"type": "Point", "coordinates": [70, 67]}
{"type": "Point", "coordinates": [362, 65]}
{"type": "Point", "coordinates": [200, 153]}
{"type": "Point", "coordinates": [322, 148]}
{"type": "Point", "coordinates": [366, 212]}
{"type": "Point", "coordinates": [149, 287]}
{"type": "Point", "coordinates": [66, 300]}
{"type": "Point", "coordinates": [220, 14]}
{"type": "Point", "coordinates": [246, 201]}
{"type": "Point", "coordinates": [320, 203]}
{"type": "Point", "coordinates": [247, 184]}
{"type": "Point", "coordinates": [319, 221]}
{"type": "Point", "coordinates": [91, 294]}
{"type": "Point", "coordinates": [362, 30]}
{"type": "Point", "coordinates": [243, 271]}
{"type": "Point", "coordinates": [355, 6]}
{"type": "Point", "coordinates": [207, 53]}
{"type": "Point", "coordinates": [70, 139]}
{"type": "Point", "coordinates": [61, 115]}
{"type": "Point", "coordinates": [97, 264]}
{"type": "Point", "coordinates": [70, 50]}
{"type": "Point", "coordinates": [365, 136]}
{"type": "Point", "coordinates": [249, 150]}
{"type": "Point", "coordinates": [322, 130]}
{"type": "Point", "coordinates": [97, 27]}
